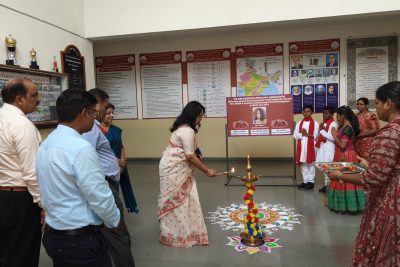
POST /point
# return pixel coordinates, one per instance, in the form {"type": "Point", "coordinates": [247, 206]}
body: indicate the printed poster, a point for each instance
{"type": "Point", "coordinates": [259, 70]}
{"type": "Point", "coordinates": [314, 73]}
{"type": "Point", "coordinates": [116, 76]}
{"type": "Point", "coordinates": [209, 79]}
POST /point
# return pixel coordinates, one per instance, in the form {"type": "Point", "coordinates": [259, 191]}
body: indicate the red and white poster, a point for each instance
{"type": "Point", "coordinates": [259, 70]}
{"type": "Point", "coordinates": [314, 73]}
{"type": "Point", "coordinates": [260, 115]}
{"type": "Point", "coordinates": [161, 82]}
{"type": "Point", "coordinates": [209, 79]}
{"type": "Point", "coordinates": [116, 75]}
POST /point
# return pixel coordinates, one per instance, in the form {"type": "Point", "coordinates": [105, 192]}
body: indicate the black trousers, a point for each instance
{"type": "Point", "coordinates": [118, 240]}
{"type": "Point", "coordinates": [84, 250]}
{"type": "Point", "coordinates": [20, 230]}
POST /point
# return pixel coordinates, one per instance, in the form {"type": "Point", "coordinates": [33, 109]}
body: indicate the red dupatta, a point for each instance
{"type": "Point", "coordinates": [321, 138]}
{"type": "Point", "coordinates": [310, 142]}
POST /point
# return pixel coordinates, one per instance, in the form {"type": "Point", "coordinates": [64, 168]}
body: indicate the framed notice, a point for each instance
{"type": "Point", "coordinates": [73, 64]}
{"type": "Point", "coordinates": [49, 88]}
{"type": "Point", "coordinates": [116, 76]}
{"type": "Point", "coordinates": [209, 79]}
{"type": "Point", "coordinates": [259, 115]}
{"type": "Point", "coordinates": [259, 70]}
{"type": "Point", "coordinates": [314, 74]}
{"type": "Point", "coordinates": [161, 84]}
{"type": "Point", "coordinates": [371, 62]}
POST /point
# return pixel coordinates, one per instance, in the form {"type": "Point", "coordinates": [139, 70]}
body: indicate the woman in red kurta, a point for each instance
{"type": "Point", "coordinates": [378, 242]}
{"type": "Point", "coordinates": [369, 125]}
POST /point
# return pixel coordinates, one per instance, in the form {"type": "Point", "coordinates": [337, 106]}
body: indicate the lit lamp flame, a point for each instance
{"type": "Point", "coordinates": [232, 171]}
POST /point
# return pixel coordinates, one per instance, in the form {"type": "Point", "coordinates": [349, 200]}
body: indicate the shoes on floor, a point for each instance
{"type": "Point", "coordinates": [309, 186]}
{"type": "Point", "coordinates": [322, 190]}
{"type": "Point", "coordinates": [302, 185]}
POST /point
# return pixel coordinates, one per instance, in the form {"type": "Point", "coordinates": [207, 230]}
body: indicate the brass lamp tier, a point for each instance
{"type": "Point", "coordinates": [247, 239]}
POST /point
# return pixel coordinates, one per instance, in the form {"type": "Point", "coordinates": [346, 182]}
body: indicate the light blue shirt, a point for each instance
{"type": "Point", "coordinates": [108, 160]}
{"type": "Point", "coordinates": [73, 190]}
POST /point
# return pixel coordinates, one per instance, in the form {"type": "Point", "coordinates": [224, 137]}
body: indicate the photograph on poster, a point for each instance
{"type": "Point", "coordinates": [318, 73]}
{"type": "Point", "coordinates": [296, 89]}
{"type": "Point", "coordinates": [334, 71]}
{"type": "Point", "coordinates": [308, 89]}
{"type": "Point", "coordinates": [259, 115]}
{"type": "Point", "coordinates": [303, 74]}
{"type": "Point", "coordinates": [332, 59]}
{"type": "Point", "coordinates": [321, 89]}
{"type": "Point", "coordinates": [310, 73]}
{"type": "Point", "coordinates": [295, 73]}
{"type": "Point", "coordinates": [327, 72]}
{"type": "Point", "coordinates": [297, 62]}
{"type": "Point", "coordinates": [331, 89]}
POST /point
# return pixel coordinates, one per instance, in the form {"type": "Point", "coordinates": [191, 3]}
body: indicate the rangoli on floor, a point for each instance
{"type": "Point", "coordinates": [271, 217]}
{"type": "Point", "coordinates": [269, 243]}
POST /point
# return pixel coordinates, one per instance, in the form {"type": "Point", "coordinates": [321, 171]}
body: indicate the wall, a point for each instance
{"type": "Point", "coordinates": [48, 40]}
{"type": "Point", "coordinates": [66, 14]}
{"type": "Point", "coordinates": [124, 17]}
{"type": "Point", "coordinates": [147, 138]}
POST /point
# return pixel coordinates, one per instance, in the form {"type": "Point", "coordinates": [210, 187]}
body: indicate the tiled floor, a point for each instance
{"type": "Point", "coordinates": [323, 238]}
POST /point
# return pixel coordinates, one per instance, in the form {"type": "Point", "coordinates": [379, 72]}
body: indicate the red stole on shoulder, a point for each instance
{"type": "Point", "coordinates": [320, 138]}
{"type": "Point", "coordinates": [310, 142]}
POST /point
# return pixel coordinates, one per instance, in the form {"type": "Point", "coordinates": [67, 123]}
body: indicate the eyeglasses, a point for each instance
{"type": "Point", "coordinates": [95, 112]}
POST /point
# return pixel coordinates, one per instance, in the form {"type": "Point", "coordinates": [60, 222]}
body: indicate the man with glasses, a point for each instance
{"type": "Point", "coordinates": [20, 214]}
{"type": "Point", "coordinates": [73, 192]}
{"type": "Point", "coordinates": [118, 240]}
{"type": "Point", "coordinates": [332, 60]}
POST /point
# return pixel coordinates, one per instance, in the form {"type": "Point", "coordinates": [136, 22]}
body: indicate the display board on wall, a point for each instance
{"type": "Point", "coordinates": [371, 62]}
{"type": "Point", "coordinates": [161, 84]}
{"type": "Point", "coordinates": [260, 115]}
{"type": "Point", "coordinates": [73, 64]}
{"type": "Point", "coordinates": [259, 70]}
{"type": "Point", "coordinates": [49, 88]}
{"type": "Point", "coordinates": [209, 79]}
{"type": "Point", "coordinates": [314, 73]}
{"type": "Point", "coordinates": [116, 76]}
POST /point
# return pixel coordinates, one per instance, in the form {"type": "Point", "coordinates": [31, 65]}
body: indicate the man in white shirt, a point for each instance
{"type": "Point", "coordinates": [305, 132]}
{"type": "Point", "coordinates": [325, 144]}
{"type": "Point", "coordinates": [20, 217]}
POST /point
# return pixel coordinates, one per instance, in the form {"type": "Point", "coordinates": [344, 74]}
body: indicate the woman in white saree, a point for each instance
{"type": "Point", "coordinates": [179, 211]}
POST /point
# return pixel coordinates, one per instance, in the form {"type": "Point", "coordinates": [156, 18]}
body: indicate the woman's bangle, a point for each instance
{"type": "Point", "coordinates": [340, 178]}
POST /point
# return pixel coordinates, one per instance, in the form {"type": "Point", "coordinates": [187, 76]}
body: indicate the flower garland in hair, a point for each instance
{"type": "Point", "coordinates": [251, 225]}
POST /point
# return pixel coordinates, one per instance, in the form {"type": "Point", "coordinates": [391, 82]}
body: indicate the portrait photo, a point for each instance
{"type": "Point", "coordinates": [296, 89]}
{"type": "Point", "coordinates": [308, 89]}
{"type": "Point", "coordinates": [296, 61]}
{"type": "Point", "coordinates": [332, 88]}
{"type": "Point", "coordinates": [332, 59]}
{"type": "Point", "coordinates": [259, 115]}
{"type": "Point", "coordinates": [320, 89]}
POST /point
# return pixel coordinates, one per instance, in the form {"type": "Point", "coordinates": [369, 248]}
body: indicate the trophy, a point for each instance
{"type": "Point", "coordinates": [55, 68]}
{"type": "Point", "coordinates": [11, 44]}
{"type": "Point", "coordinates": [34, 64]}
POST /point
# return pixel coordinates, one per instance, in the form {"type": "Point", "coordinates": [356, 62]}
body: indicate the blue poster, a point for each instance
{"type": "Point", "coordinates": [308, 95]}
{"type": "Point", "coordinates": [296, 91]}
{"type": "Point", "coordinates": [320, 96]}
{"type": "Point", "coordinates": [332, 95]}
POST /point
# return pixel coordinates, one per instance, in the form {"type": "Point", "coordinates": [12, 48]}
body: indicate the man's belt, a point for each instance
{"type": "Point", "coordinates": [78, 231]}
{"type": "Point", "coordinates": [14, 188]}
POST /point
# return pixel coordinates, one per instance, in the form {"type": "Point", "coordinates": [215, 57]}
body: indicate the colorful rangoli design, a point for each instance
{"type": "Point", "coordinates": [271, 217]}
{"type": "Point", "coordinates": [269, 243]}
